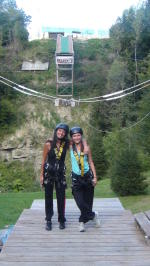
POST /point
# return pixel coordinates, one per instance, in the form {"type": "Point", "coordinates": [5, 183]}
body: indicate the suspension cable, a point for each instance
{"type": "Point", "coordinates": [112, 98]}
{"type": "Point", "coordinates": [24, 92]}
{"type": "Point", "coordinates": [120, 130]}
{"type": "Point", "coordinates": [115, 93]}
{"type": "Point", "coordinates": [30, 90]}
{"type": "Point", "coordinates": [102, 98]}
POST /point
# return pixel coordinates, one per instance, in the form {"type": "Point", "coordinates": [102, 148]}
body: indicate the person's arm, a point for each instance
{"type": "Point", "coordinates": [47, 147]}
{"type": "Point", "coordinates": [92, 166]}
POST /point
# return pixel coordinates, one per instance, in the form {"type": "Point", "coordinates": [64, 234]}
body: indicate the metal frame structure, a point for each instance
{"type": "Point", "coordinates": [64, 63]}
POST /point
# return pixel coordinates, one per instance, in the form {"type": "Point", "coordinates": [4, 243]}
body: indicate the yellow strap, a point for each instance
{"type": "Point", "coordinates": [80, 161]}
{"type": "Point", "coordinates": [59, 152]}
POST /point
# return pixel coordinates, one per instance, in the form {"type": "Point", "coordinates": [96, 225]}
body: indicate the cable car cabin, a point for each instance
{"type": "Point", "coordinates": [64, 66]}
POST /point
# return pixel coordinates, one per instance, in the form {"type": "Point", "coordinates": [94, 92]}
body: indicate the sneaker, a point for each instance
{"type": "Point", "coordinates": [48, 226]}
{"type": "Point", "coordinates": [62, 226]}
{"type": "Point", "coordinates": [96, 219]}
{"type": "Point", "coordinates": [81, 227]}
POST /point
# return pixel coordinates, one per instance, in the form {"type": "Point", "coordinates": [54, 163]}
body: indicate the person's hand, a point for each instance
{"type": "Point", "coordinates": [94, 181]}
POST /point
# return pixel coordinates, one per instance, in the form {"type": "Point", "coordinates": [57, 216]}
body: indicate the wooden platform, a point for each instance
{"type": "Point", "coordinates": [116, 242]}
{"type": "Point", "coordinates": [143, 221]}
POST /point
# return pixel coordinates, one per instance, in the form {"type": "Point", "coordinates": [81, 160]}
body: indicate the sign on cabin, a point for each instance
{"type": "Point", "coordinates": [65, 60]}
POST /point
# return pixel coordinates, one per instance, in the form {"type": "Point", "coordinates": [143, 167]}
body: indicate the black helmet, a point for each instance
{"type": "Point", "coordinates": [63, 126]}
{"type": "Point", "coordinates": [75, 130]}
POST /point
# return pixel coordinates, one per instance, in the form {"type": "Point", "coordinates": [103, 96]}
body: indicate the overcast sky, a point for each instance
{"type": "Point", "coordinates": [95, 14]}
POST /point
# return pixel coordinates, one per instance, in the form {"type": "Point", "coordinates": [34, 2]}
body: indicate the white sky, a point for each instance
{"type": "Point", "coordinates": [94, 14]}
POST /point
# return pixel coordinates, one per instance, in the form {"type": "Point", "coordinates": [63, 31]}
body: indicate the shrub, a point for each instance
{"type": "Point", "coordinates": [17, 176]}
{"type": "Point", "coordinates": [126, 174]}
{"type": "Point", "coordinates": [125, 167]}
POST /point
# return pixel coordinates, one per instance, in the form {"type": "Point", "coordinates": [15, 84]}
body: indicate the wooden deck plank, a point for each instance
{"type": "Point", "coordinates": [143, 222]}
{"type": "Point", "coordinates": [147, 213]}
{"type": "Point", "coordinates": [110, 203]}
{"type": "Point", "coordinates": [81, 249]}
{"type": "Point", "coordinates": [96, 263]}
{"type": "Point", "coordinates": [75, 258]}
{"type": "Point", "coordinates": [102, 245]}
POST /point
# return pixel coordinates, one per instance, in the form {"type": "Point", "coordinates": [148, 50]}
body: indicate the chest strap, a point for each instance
{"type": "Point", "coordinates": [79, 159]}
{"type": "Point", "coordinates": [58, 151]}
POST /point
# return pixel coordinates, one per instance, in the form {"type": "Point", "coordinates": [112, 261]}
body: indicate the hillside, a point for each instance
{"type": "Point", "coordinates": [33, 120]}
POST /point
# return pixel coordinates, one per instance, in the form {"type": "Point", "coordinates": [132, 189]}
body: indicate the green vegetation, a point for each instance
{"type": "Point", "coordinates": [125, 150]}
{"type": "Point", "coordinates": [136, 203]}
{"type": "Point", "coordinates": [13, 22]}
{"type": "Point", "coordinates": [12, 115]}
{"type": "Point", "coordinates": [125, 168]}
{"type": "Point", "coordinates": [17, 176]}
{"type": "Point", "coordinates": [12, 204]}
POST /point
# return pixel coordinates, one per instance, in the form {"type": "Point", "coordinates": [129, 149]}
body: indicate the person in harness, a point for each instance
{"type": "Point", "coordinates": [83, 178]}
{"type": "Point", "coordinates": [53, 173]}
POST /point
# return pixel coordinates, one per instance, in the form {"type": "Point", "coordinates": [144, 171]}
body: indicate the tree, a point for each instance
{"type": "Point", "coordinates": [98, 154]}
{"type": "Point", "coordinates": [125, 168]}
{"type": "Point", "coordinates": [7, 112]}
{"type": "Point", "coordinates": [144, 29]}
{"type": "Point", "coordinates": [118, 76]}
{"type": "Point", "coordinates": [125, 32]}
{"type": "Point", "coordinates": [13, 24]}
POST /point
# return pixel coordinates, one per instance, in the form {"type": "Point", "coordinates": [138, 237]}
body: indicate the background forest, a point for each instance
{"type": "Point", "coordinates": [118, 131]}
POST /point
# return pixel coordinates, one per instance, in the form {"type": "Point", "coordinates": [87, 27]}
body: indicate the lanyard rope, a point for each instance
{"type": "Point", "coordinates": [80, 160]}
{"type": "Point", "coordinates": [58, 152]}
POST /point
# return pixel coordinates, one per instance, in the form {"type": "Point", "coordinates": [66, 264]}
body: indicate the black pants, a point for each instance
{"type": "Point", "coordinates": [60, 195]}
{"type": "Point", "coordinates": [83, 192]}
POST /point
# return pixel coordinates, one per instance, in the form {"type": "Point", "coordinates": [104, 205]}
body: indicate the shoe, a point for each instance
{"type": "Point", "coordinates": [48, 226]}
{"type": "Point", "coordinates": [81, 227]}
{"type": "Point", "coordinates": [62, 226]}
{"type": "Point", "coordinates": [96, 219]}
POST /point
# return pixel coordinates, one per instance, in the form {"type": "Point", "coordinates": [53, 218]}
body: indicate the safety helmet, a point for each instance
{"type": "Point", "coordinates": [75, 130]}
{"type": "Point", "coordinates": [62, 126]}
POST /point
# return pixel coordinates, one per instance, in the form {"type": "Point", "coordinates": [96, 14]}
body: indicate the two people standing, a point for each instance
{"type": "Point", "coordinates": [83, 175]}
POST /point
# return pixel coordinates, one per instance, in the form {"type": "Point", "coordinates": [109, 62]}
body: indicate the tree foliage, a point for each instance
{"type": "Point", "coordinates": [133, 28]}
{"type": "Point", "coordinates": [13, 23]}
{"type": "Point", "coordinates": [126, 155]}
{"type": "Point", "coordinates": [125, 168]}
{"type": "Point", "coordinates": [98, 154]}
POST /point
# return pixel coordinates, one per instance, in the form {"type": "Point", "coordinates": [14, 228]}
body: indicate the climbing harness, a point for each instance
{"type": "Point", "coordinates": [54, 168]}
{"type": "Point", "coordinates": [58, 151]}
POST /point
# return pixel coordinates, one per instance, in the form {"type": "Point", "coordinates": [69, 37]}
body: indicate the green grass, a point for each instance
{"type": "Point", "coordinates": [136, 203]}
{"type": "Point", "coordinates": [12, 204]}
{"type": "Point", "coordinates": [103, 190]}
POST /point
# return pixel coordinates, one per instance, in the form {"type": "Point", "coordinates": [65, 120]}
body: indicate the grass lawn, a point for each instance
{"type": "Point", "coordinates": [136, 203]}
{"type": "Point", "coordinates": [12, 204]}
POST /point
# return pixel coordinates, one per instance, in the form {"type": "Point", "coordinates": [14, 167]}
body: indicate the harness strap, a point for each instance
{"type": "Point", "coordinates": [80, 160]}
{"type": "Point", "coordinates": [58, 152]}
